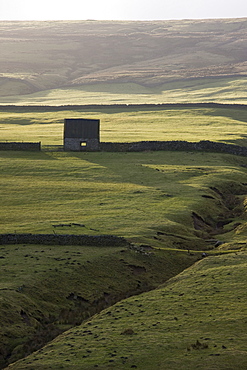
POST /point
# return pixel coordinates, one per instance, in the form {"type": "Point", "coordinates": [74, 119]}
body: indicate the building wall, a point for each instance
{"type": "Point", "coordinates": [81, 134]}
{"type": "Point", "coordinates": [81, 144]}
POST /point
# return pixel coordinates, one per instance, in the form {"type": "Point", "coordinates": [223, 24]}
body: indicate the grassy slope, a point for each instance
{"type": "Point", "coordinates": [155, 188]}
{"type": "Point", "coordinates": [45, 290]}
{"type": "Point", "coordinates": [128, 124]}
{"type": "Point", "coordinates": [220, 90]}
{"type": "Point", "coordinates": [156, 192]}
{"type": "Point", "coordinates": [37, 282]}
{"type": "Point", "coordinates": [194, 321]}
{"type": "Point", "coordinates": [122, 58]}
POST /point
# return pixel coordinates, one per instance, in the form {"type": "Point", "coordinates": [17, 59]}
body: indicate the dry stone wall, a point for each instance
{"type": "Point", "coordinates": [58, 239]}
{"type": "Point", "coordinates": [205, 145]}
{"type": "Point", "coordinates": [20, 146]}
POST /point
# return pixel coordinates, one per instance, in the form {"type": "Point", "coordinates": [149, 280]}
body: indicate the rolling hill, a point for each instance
{"type": "Point", "coordinates": [174, 208]}
{"type": "Point", "coordinates": [40, 56]}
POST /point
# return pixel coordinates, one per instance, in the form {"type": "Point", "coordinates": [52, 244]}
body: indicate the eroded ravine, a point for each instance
{"type": "Point", "coordinates": [144, 269]}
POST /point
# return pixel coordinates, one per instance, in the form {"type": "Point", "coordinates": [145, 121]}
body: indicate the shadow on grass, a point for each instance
{"type": "Point", "coordinates": [237, 114]}
{"type": "Point", "coordinates": [240, 142]}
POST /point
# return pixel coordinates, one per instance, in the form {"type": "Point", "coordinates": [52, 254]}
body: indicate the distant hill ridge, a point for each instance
{"type": "Point", "coordinates": [37, 56]}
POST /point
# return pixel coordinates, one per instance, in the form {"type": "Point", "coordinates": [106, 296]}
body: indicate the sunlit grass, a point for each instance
{"type": "Point", "coordinates": [129, 124]}
{"type": "Point", "coordinates": [22, 263]}
{"type": "Point", "coordinates": [151, 191]}
{"type": "Point", "coordinates": [219, 90]}
{"type": "Point", "coordinates": [147, 192]}
{"type": "Point", "coordinates": [147, 197]}
{"type": "Point", "coordinates": [196, 321]}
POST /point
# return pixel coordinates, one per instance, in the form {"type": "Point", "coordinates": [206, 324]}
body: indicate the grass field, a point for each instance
{"type": "Point", "coordinates": [195, 90]}
{"type": "Point", "coordinates": [149, 192]}
{"type": "Point", "coordinates": [148, 189]}
{"type": "Point", "coordinates": [171, 206]}
{"type": "Point", "coordinates": [128, 124]}
{"type": "Point", "coordinates": [172, 201]}
{"type": "Point", "coordinates": [196, 321]}
{"type": "Point", "coordinates": [45, 290]}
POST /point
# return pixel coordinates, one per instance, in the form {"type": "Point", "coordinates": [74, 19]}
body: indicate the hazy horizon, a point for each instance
{"type": "Point", "coordinates": [135, 10]}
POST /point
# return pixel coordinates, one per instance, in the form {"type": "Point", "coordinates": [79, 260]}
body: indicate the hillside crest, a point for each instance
{"type": "Point", "coordinates": [38, 56]}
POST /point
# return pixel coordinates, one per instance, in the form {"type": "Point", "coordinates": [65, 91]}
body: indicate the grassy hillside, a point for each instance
{"type": "Point", "coordinates": [152, 191]}
{"type": "Point", "coordinates": [149, 194]}
{"type": "Point", "coordinates": [196, 321]}
{"type": "Point", "coordinates": [145, 191]}
{"type": "Point", "coordinates": [171, 206]}
{"type": "Point", "coordinates": [128, 124]}
{"type": "Point", "coordinates": [177, 203]}
{"type": "Point", "coordinates": [45, 290]}
{"type": "Point", "coordinates": [153, 59]}
{"type": "Point", "coordinates": [157, 199]}
{"type": "Point", "coordinates": [199, 90]}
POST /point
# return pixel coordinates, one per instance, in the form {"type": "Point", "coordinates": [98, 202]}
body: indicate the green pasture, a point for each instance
{"type": "Point", "coordinates": [171, 206]}
{"type": "Point", "coordinates": [226, 124]}
{"type": "Point", "coordinates": [206, 90]}
{"type": "Point", "coordinates": [134, 195]}
{"type": "Point", "coordinates": [195, 321]}
{"type": "Point", "coordinates": [128, 194]}
{"type": "Point", "coordinates": [171, 201]}
{"type": "Point", "coordinates": [23, 263]}
{"type": "Point", "coordinates": [45, 290]}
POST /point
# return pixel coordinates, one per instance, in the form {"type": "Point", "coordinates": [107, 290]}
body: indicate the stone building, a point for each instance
{"type": "Point", "coordinates": [81, 134]}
